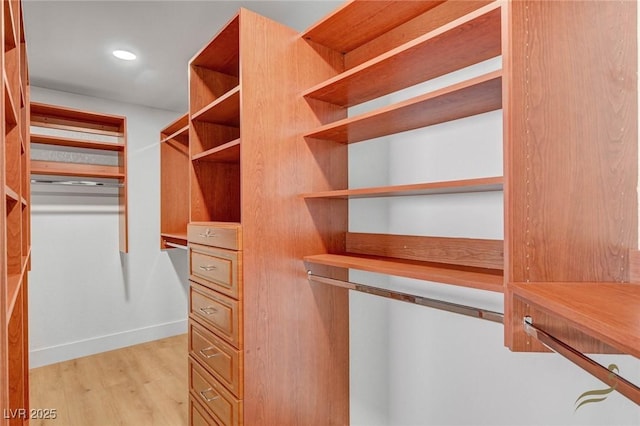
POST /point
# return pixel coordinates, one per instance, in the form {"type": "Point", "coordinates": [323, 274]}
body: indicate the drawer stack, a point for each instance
{"type": "Point", "coordinates": [215, 323]}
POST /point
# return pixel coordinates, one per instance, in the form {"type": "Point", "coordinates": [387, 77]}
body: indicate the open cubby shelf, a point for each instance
{"type": "Point", "coordinates": [225, 153]}
{"type": "Point", "coordinates": [224, 110]}
{"type": "Point", "coordinates": [75, 143]}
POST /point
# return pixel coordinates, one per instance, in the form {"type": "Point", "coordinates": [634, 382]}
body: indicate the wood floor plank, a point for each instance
{"type": "Point", "coordinates": [140, 385]}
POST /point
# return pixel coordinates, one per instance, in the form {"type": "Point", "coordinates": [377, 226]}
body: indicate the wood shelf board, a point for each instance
{"type": "Point", "coordinates": [14, 282]}
{"type": "Point", "coordinates": [178, 126]}
{"type": "Point", "coordinates": [176, 238]}
{"type": "Point", "coordinates": [226, 153]}
{"type": "Point", "coordinates": [359, 22]}
{"type": "Point", "coordinates": [432, 188]}
{"type": "Point", "coordinates": [476, 96]}
{"type": "Point", "coordinates": [488, 279]}
{"type": "Point", "coordinates": [610, 312]}
{"type": "Point", "coordinates": [11, 194]}
{"type": "Point", "coordinates": [45, 115]}
{"type": "Point", "coordinates": [224, 110]}
{"type": "Point", "coordinates": [466, 41]}
{"type": "Point", "coordinates": [180, 133]}
{"type": "Point", "coordinates": [75, 169]}
{"type": "Point", "coordinates": [222, 53]}
{"type": "Point", "coordinates": [75, 143]}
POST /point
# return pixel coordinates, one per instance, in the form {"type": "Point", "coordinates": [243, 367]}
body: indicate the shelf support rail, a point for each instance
{"type": "Point", "coordinates": [597, 370]}
{"type": "Point", "coordinates": [470, 311]}
{"type": "Point", "coordinates": [178, 246]}
{"type": "Point", "coordinates": [78, 183]}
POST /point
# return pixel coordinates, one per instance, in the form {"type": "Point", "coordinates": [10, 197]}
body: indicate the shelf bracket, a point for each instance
{"type": "Point", "coordinates": [602, 373]}
{"type": "Point", "coordinates": [470, 311]}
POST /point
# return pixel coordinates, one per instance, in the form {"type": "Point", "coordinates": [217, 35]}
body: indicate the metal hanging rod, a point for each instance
{"type": "Point", "coordinates": [178, 246]}
{"type": "Point", "coordinates": [411, 298]}
{"type": "Point", "coordinates": [607, 376]}
{"type": "Point", "coordinates": [79, 183]}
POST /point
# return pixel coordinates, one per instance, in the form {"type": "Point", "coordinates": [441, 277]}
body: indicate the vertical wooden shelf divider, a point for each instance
{"type": "Point", "coordinates": [15, 230]}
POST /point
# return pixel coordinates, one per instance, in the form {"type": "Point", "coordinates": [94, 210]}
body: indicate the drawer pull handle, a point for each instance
{"type": "Point", "coordinates": [208, 267]}
{"type": "Point", "coordinates": [209, 310]}
{"type": "Point", "coordinates": [213, 352]}
{"type": "Point", "coordinates": [208, 234]}
{"type": "Point", "coordinates": [204, 396]}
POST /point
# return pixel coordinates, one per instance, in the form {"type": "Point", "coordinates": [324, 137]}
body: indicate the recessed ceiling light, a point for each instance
{"type": "Point", "coordinates": [124, 55]}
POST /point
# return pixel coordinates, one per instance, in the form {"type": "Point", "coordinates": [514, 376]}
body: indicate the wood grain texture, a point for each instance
{"type": "Point", "coordinates": [224, 110]}
{"type": "Point", "coordinates": [174, 181]}
{"type": "Point", "coordinates": [173, 130]}
{"type": "Point", "coordinates": [634, 266]}
{"type": "Point", "coordinates": [475, 96]}
{"type": "Point", "coordinates": [455, 251]}
{"type": "Point", "coordinates": [75, 169]}
{"type": "Point", "coordinates": [296, 334]}
{"type": "Point", "coordinates": [205, 136]}
{"type": "Point", "coordinates": [226, 153]}
{"type": "Point", "coordinates": [15, 379]}
{"type": "Point", "coordinates": [44, 115]}
{"type": "Point", "coordinates": [206, 85]}
{"type": "Point", "coordinates": [13, 175]}
{"type": "Point", "coordinates": [484, 279]}
{"type": "Point", "coordinates": [608, 312]}
{"type": "Point", "coordinates": [358, 22]}
{"type": "Point", "coordinates": [431, 55]}
{"type": "Point", "coordinates": [572, 156]}
{"type": "Point", "coordinates": [431, 188]}
{"type": "Point", "coordinates": [436, 17]}
{"type": "Point", "coordinates": [222, 52]}
{"type": "Point", "coordinates": [11, 112]}
{"type": "Point", "coordinates": [215, 192]}
{"type": "Point", "coordinates": [76, 143]}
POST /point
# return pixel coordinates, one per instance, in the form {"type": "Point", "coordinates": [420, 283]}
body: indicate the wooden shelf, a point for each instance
{"type": "Point", "coordinates": [226, 153]}
{"type": "Point", "coordinates": [224, 110]}
{"type": "Point", "coordinates": [75, 143]}
{"type": "Point", "coordinates": [178, 133]}
{"type": "Point", "coordinates": [609, 312]}
{"type": "Point", "coordinates": [24, 202]}
{"type": "Point", "coordinates": [54, 116]}
{"type": "Point", "coordinates": [11, 195]}
{"type": "Point", "coordinates": [485, 279]}
{"type": "Point", "coordinates": [75, 169]}
{"type": "Point", "coordinates": [420, 60]}
{"type": "Point", "coordinates": [15, 281]}
{"type": "Point", "coordinates": [176, 238]}
{"type": "Point", "coordinates": [338, 32]}
{"type": "Point", "coordinates": [222, 53]}
{"type": "Point", "coordinates": [180, 127]}
{"type": "Point", "coordinates": [11, 113]}
{"type": "Point", "coordinates": [476, 96]}
{"type": "Point", "coordinates": [432, 188]}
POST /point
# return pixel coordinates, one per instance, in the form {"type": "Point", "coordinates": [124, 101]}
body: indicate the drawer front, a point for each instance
{"type": "Point", "coordinates": [216, 268]}
{"type": "Point", "coordinates": [221, 359]}
{"type": "Point", "coordinates": [198, 416]}
{"type": "Point", "coordinates": [218, 312]}
{"type": "Point", "coordinates": [222, 405]}
{"type": "Point", "coordinates": [215, 234]}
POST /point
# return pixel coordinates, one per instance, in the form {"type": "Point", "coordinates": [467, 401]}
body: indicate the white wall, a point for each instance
{"type": "Point", "coordinates": [85, 296]}
{"type": "Point", "coordinates": [429, 367]}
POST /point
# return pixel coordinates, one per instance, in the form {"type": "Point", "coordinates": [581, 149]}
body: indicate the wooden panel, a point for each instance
{"type": "Point", "coordinates": [219, 402]}
{"type": "Point", "coordinates": [179, 126]}
{"type": "Point", "coordinates": [455, 251]}
{"type": "Point", "coordinates": [412, 29]}
{"type": "Point", "coordinates": [634, 266]}
{"type": "Point", "coordinates": [476, 96]}
{"type": "Point", "coordinates": [10, 31]}
{"type": "Point", "coordinates": [11, 112]}
{"type": "Point", "coordinates": [358, 22]}
{"type": "Point", "coordinates": [224, 110]}
{"type": "Point", "coordinates": [574, 137]}
{"type": "Point", "coordinates": [484, 279]}
{"type": "Point", "coordinates": [432, 188]}
{"type": "Point", "coordinates": [15, 380]}
{"type": "Point", "coordinates": [218, 312]}
{"type": "Point", "coordinates": [431, 55]}
{"type": "Point", "coordinates": [216, 234]}
{"type": "Point", "coordinates": [205, 136]}
{"type": "Point", "coordinates": [76, 143]}
{"type": "Point", "coordinates": [13, 246]}
{"type": "Point", "coordinates": [198, 416]}
{"type": "Point", "coordinates": [222, 52]}
{"type": "Point", "coordinates": [174, 186]}
{"type": "Point", "coordinates": [215, 192]}
{"type": "Point", "coordinates": [75, 169]}
{"type": "Point", "coordinates": [607, 312]}
{"type": "Point", "coordinates": [206, 85]}
{"type": "Point", "coordinates": [219, 358]}
{"type": "Point", "coordinates": [225, 153]}
{"type": "Point", "coordinates": [306, 326]}
{"type": "Point", "coordinates": [123, 194]}
{"type": "Point", "coordinates": [216, 268]}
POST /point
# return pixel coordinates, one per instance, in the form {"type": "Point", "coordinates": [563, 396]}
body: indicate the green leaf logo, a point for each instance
{"type": "Point", "coordinates": [601, 393]}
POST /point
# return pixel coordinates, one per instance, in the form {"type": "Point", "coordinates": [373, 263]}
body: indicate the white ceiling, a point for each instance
{"type": "Point", "coordinates": [69, 43]}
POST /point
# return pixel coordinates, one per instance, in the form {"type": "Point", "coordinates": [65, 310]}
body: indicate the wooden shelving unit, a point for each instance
{"type": "Point", "coordinates": [245, 130]}
{"type": "Point", "coordinates": [15, 230]}
{"type": "Point", "coordinates": [418, 42]}
{"type": "Point", "coordinates": [82, 134]}
{"type": "Point", "coordinates": [174, 182]}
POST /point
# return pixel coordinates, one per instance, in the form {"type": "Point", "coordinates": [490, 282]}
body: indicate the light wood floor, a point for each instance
{"type": "Point", "coordinates": [140, 385]}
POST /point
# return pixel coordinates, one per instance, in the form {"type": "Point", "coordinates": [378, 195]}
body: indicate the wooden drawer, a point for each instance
{"type": "Point", "coordinates": [216, 234]}
{"type": "Point", "coordinates": [216, 268]}
{"type": "Point", "coordinates": [198, 415]}
{"type": "Point", "coordinates": [226, 409]}
{"type": "Point", "coordinates": [219, 313]}
{"type": "Point", "coordinates": [219, 358]}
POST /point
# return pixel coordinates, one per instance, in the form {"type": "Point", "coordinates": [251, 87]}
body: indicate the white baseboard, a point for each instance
{"type": "Point", "coordinates": [94, 345]}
